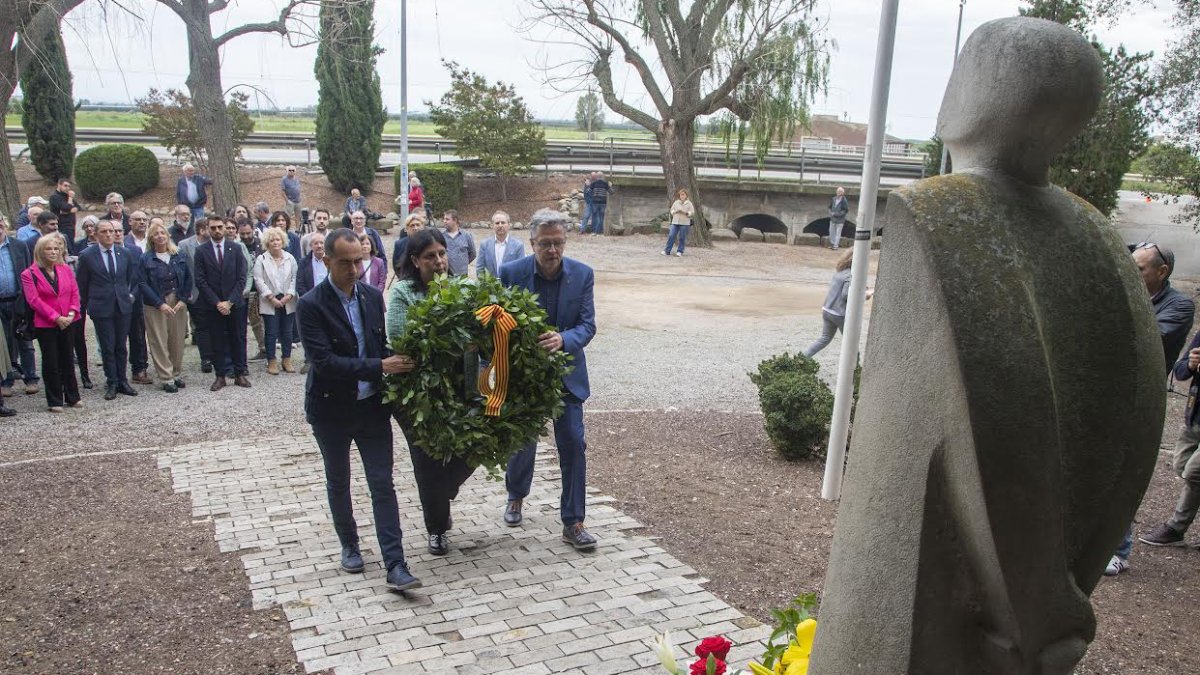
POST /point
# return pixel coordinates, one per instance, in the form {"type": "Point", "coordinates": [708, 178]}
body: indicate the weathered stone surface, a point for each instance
{"type": "Point", "coordinates": [751, 234]}
{"type": "Point", "coordinates": [722, 234]}
{"type": "Point", "coordinates": [806, 239]}
{"type": "Point", "coordinates": [776, 238]}
{"type": "Point", "coordinates": [876, 244]}
{"type": "Point", "coordinates": [998, 459]}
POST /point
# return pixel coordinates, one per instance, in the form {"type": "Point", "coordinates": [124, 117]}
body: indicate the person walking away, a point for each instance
{"type": "Point", "coordinates": [586, 217]}
{"type": "Point", "coordinates": [166, 286]}
{"type": "Point", "coordinates": [833, 311]}
{"type": "Point", "coordinates": [342, 331]}
{"type": "Point", "coordinates": [275, 278]}
{"type": "Point", "coordinates": [681, 223]}
{"type": "Point", "coordinates": [600, 191]}
{"type": "Point", "coordinates": [52, 293]}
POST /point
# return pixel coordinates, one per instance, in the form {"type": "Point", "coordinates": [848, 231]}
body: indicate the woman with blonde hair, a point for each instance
{"type": "Point", "coordinates": [166, 285]}
{"type": "Point", "coordinates": [52, 294]}
{"type": "Point", "coordinates": [833, 311]}
{"type": "Point", "coordinates": [275, 278]}
{"type": "Point", "coordinates": [681, 222]}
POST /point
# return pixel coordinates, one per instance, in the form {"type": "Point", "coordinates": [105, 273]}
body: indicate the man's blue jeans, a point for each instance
{"type": "Point", "coordinates": [598, 217]}
{"type": "Point", "coordinates": [572, 462]}
{"type": "Point", "coordinates": [585, 218]}
{"type": "Point", "coordinates": [679, 232]}
{"type": "Point", "coordinates": [197, 212]}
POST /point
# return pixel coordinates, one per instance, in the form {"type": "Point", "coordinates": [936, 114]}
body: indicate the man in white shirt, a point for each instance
{"type": "Point", "coordinates": [495, 251]}
{"type": "Point", "coordinates": [139, 223]}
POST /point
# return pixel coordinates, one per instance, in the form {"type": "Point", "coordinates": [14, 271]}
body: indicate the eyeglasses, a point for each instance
{"type": "Point", "coordinates": [1151, 245]}
{"type": "Point", "coordinates": [545, 245]}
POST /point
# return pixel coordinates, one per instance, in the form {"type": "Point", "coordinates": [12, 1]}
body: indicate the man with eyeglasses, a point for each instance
{"type": "Point", "coordinates": [290, 185]}
{"type": "Point", "coordinates": [564, 290]}
{"type": "Point", "coordinates": [495, 252]}
{"type": "Point", "coordinates": [115, 205]}
{"type": "Point", "coordinates": [1174, 313]}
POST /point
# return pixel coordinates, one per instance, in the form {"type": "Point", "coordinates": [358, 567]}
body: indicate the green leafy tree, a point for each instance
{"type": "Point", "coordinates": [48, 112]}
{"type": "Point", "coordinates": [171, 117]}
{"type": "Point", "coordinates": [1094, 163]}
{"type": "Point", "coordinates": [589, 114]}
{"type": "Point", "coordinates": [1179, 79]}
{"type": "Point", "coordinates": [491, 122]}
{"type": "Point", "coordinates": [350, 112]}
{"type": "Point", "coordinates": [757, 63]}
{"type": "Point", "coordinates": [933, 157]}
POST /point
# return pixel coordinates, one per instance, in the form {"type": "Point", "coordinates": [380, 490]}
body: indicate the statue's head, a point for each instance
{"type": "Point", "coordinates": [1021, 90]}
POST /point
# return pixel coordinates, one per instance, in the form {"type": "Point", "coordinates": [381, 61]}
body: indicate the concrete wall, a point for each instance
{"type": "Point", "coordinates": [637, 200]}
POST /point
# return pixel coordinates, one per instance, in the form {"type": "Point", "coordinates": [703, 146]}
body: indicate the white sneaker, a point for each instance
{"type": "Point", "coordinates": [678, 254]}
{"type": "Point", "coordinates": [662, 252]}
{"type": "Point", "coordinates": [1116, 566]}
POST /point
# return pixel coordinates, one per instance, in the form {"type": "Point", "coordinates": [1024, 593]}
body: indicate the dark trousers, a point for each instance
{"type": "Point", "coordinates": [368, 426]}
{"type": "Point", "coordinates": [58, 373]}
{"type": "Point", "coordinates": [198, 315]}
{"type": "Point", "coordinates": [228, 334]}
{"type": "Point", "coordinates": [112, 335]}
{"type": "Point", "coordinates": [438, 481]}
{"type": "Point", "coordinates": [80, 345]}
{"type": "Point", "coordinates": [572, 462]}
{"type": "Point", "coordinates": [19, 351]}
{"type": "Point", "coordinates": [139, 354]}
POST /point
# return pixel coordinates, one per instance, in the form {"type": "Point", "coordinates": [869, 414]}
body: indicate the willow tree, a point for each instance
{"type": "Point", "coordinates": [204, 78]}
{"type": "Point", "coordinates": [759, 63]}
{"type": "Point", "coordinates": [22, 24]}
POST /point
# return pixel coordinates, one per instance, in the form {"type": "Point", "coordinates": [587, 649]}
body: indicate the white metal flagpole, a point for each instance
{"type": "Point", "coordinates": [957, 42]}
{"type": "Point", "coordinates": [403, 111]}
{"type": "Point", "coordinates": [851, 333]}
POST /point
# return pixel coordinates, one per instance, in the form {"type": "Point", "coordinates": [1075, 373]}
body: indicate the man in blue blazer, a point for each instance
{"type": "Point", "coordinates": [564, 290]}
{"type": "Point", "coordinates": [107, 275]}
{"type": "Point", "coordinates": [190, 191]}
{"type": "Point", "coordinates": [496, 252]}
{"type": "Point", "coordinates": [342, 328]}
{"type": "Point", "coordinates": [221, 277]}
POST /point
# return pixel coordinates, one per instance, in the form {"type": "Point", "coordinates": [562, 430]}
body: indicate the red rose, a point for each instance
{"type": "Point", "coordinates": [715, 645]}
{"type": "Point", "coordinates": [700, 667]}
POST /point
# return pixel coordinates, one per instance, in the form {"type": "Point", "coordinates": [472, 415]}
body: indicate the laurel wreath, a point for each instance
{"type": "Point", "coordinates": [440, 397]}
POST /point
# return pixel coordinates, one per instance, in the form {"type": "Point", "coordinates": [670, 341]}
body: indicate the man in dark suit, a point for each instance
{"type": "Point", "coordinates": [107, 275]}
{"type": "Point", "coordinates": [314, 267]}
{"type": "Point", "coordinates": [15, 257]}
{"type": "Point", "coordinates": [564, 290]}
{"type": "Point", "coordinates": [221, 278]}
{"type": "Point", "coordinates": [190, 191]}
{"type": "Point", "coordinates": [341, 325]}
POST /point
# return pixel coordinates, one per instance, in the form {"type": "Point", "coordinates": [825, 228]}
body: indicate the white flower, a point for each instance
{"type": "Point", "coordinates": [666, 653]}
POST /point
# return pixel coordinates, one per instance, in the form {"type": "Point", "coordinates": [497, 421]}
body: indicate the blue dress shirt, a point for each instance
{"type": "Point", "coordinates": [8, 276]}
{"type": "Point", "coordinates": [354, 314]}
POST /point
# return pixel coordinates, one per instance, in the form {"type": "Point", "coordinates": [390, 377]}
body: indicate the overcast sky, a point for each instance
{"type": "Point", "coordinates": [119, 57]}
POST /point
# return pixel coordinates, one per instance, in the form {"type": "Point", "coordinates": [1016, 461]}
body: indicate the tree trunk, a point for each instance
{"type": "Point", "coordinates": [208, 98]}
{"type": "Point", "coordinates": [676, 141]}
{"type": "Point", "coordinates": [10, 193]}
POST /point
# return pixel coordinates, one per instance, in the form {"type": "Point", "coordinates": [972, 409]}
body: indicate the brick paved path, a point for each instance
{"type": "Point", "coordinates": [505, 600]}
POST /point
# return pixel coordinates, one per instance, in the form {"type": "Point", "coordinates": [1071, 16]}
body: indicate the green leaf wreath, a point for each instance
{"type": "Point", "coordinates": [440, 397]}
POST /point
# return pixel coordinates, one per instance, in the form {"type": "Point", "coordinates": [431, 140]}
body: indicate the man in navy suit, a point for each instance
{"type": "Point", "coordinates": [341, 326]}
{"type": "Point", "coordinates": [107, 275]}
{"type": "Point", "coordinates": [221, 278]}
{"type": "Point", "coordinates": [564, 290]}
{"type": "Point", "coordinates": [496, 252]}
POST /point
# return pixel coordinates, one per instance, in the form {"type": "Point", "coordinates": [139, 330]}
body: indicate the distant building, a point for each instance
{"type": "Point", "coordinates": [826, 132]}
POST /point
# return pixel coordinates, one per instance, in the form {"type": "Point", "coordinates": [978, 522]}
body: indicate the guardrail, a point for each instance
{"type": "Point", "coordinates": [559, 152]}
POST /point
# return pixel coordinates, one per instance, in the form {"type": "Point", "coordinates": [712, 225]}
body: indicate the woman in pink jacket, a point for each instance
{"type": "Point", "coordinates": [51, 292]}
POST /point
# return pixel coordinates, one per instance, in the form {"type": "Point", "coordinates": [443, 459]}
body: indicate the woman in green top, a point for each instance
{"type": "Point", "coordinates": [438, 481]}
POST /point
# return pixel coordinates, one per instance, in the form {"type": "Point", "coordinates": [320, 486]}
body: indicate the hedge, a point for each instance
{"type": "Point", "coordinates": [127, 169]}
{"type": "Point", "coordinates": [443, 184]}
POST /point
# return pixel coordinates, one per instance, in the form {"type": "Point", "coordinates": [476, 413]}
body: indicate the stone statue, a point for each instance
{"type": "Point", "coordinates": [1012, 395]}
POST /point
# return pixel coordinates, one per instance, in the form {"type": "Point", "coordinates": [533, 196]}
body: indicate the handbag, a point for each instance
{"type": "Point", "coordinates": [23, 324]}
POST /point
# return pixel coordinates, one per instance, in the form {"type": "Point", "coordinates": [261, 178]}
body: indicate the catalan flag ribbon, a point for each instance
{"type": "Point", "coordinates": [496, 388]}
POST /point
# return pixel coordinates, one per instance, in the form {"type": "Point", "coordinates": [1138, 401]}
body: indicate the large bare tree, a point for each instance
{"type": "Point", "coordinates": [757, 62]}
{"type": "Point", "coordinates": [204, 78]}
{"type": "Point", "coordinates": [22, 23]}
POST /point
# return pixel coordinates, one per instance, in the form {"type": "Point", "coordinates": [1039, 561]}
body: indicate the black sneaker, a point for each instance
{"type": "Point", "coordinates": [399, 578]}
{"type": "Point", "coordinates": [206, 366]}
{"type": "Point", "coordinates": [1163, 535]}
{"type": "Point", "coordinates": [439, 544]}
{"type": "Point", "coordinates": [512, 513]}
{"type": "Point", "coordinates": [352, 560]}
{"type": "Point", "coordinates": [578, 536]}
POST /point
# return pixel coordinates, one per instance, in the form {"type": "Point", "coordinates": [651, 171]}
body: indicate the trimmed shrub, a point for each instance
{"type": "Point", "coordinates": [48, 113]}
{"type": "Point", "coordinates": [443, 184]}
{"type": "Point", "coordinates": [796, 404]}
{"type": "Point", "coordinates": [128, 169]}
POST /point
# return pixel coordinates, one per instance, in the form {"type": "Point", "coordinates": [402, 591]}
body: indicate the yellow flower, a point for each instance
{"type": "Point", "coordinates": [797, 667]}
{"type": "Point", "coordinates": [760, 669]}
{"type": "Point", "coordinates": [805, 632]}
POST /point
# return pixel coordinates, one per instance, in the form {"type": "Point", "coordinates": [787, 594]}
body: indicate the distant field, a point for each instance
{"type": "Point", "coordinates": [132, 120]}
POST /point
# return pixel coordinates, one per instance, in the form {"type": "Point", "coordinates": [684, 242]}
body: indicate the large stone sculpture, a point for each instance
{"type": "Point", "coordinates": [1012, 397]}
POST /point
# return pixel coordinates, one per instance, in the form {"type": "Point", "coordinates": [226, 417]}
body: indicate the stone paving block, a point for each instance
{"type": "Point", "coordinates": [513, 600]}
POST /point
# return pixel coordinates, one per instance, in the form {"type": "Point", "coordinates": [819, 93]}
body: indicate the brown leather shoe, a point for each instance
{"type": "Point", "coordinates": [218, 384]}
{"type": "Point", "coordinates": [241, 381]}
{"type": "Point", "coordinates": [142, 378]}
{"type": "Point", "coordinates": [286, 365]}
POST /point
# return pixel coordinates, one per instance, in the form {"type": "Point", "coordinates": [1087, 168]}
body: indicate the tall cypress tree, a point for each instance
{"type": "Point", "coordinates": [48, 115]}
{"type": "Point", "coordinates": [350, 113]}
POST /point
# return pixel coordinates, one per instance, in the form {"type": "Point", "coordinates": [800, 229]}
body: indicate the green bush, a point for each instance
{"type": "Point", "coordinates": [443, 184]}
{"type": "Point", "coordinates": [127, 169]}
{"type": "Point", "coordinates": [796, 404]}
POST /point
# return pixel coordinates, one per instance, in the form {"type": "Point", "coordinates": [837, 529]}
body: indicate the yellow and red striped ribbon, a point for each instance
{"type": "Point", "coordinates": [502, 324]}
